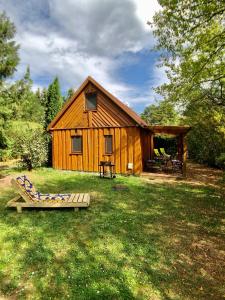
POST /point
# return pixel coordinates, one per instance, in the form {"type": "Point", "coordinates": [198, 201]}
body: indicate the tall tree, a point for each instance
{"type": "Point", "coordinates": [53, 105]}
{"type": "Point", "coordinates": [70, 93]}
{"type": "Point", "coordinates": [54, 101]}
{"type": "Point", "coordinates": [192, 32]}
{"type": "Point", "coordinates": [9, 58]}
{"type": "Point", "coordinates": [162, 113]}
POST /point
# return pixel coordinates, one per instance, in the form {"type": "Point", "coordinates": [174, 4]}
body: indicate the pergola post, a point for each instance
{"type": "Point", "coordinates": [152, 146]}
{"type": "Point", "coordinates": [184, 158]}
{"type": "Point", "coordinates": [180, 147]}
{"type": "Point", "coordinates": [182, 151]}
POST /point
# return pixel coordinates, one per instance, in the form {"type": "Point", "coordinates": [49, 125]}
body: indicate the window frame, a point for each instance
{"type": "Point", "coordinates": [81, 150]}
{"type": "Point", "coordinates": [86, 99]}
{"type": "Point", "coordinates": [106, 138]}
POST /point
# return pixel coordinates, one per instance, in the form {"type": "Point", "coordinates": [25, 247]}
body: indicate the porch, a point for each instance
{"type": "Point", "coordinates": [148, 145]}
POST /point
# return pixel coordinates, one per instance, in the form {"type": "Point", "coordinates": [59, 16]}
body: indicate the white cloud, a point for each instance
{"type": "Point", "coordinates": [74, 39]}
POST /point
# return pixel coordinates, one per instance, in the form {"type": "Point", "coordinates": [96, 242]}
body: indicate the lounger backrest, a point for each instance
{"type": "Point", "coordinates": [162, 150]}
{"type": "Point", "coordinates": [156, 151]}
{"type": "Point", "coordinates": [25, 187]}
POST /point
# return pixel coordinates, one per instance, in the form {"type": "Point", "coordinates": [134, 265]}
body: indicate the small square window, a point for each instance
{"type": "Point", "coordinates": [91, 101]}
{"type": "Point", "coordinates": [108, 144]}
{"type": "Point", "coordinates": [77, 144]}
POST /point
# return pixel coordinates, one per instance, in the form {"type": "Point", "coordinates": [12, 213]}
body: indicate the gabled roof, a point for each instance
{"type": "Point", "coordinates": [120, 104]}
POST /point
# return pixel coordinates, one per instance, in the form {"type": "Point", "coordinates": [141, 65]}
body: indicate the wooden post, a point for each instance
{"type": "Point", "coordinates": [152, 146]}
{"type": "Point", "coordinates": [184, 156]}
{"type": "Point", "coordinates": [180, 147]}
{"type": "Point", "coordinates": [19, 209]}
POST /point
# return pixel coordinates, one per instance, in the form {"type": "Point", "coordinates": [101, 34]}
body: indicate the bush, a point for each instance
{"type": "Point", "coordinates": [5, 154]}
{"type": "Point", "coordinates": [31, 145]}
{"type": "Point", "coordinates": [220, 161]}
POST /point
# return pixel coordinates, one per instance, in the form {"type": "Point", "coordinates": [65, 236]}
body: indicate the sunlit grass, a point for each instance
{"type": "Point", "coordinates": [152, 241]}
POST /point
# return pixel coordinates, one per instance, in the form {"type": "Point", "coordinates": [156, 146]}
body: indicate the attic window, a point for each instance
{"type": "Point", "coordinates": [91, 101]}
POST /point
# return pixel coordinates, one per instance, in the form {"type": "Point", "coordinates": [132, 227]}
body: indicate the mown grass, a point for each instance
{"type": "Point", "coordinates": [152, 241]}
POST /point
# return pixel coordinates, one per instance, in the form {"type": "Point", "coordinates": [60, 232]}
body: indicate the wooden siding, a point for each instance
{"type": "Point", "coordinates": [108, 114]}
{"type": "Point", "coordinates": [147, 144]}
{"type": "Point", "coordinates": [127, 148]}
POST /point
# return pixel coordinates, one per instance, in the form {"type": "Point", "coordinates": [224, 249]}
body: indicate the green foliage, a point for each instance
{"type": "Point", "coordinates": [191, 36]}
{"type": "Point", "coordinates": [193, 33]}
{"type": "Point", "coordinates": [220, 161]}
{"type": "Point", "coordinates": [53, 105]}
{"type": "Point", "coordinates": [30, 144]}
{"type": "Point", "coordinates": [70, 93]}
{"type": "Point", "coordinates": [206, 140]}
{"type": "Point", "coordinates": [54, 101]}
{"type": "Point", "coordinates": [9, 58]}
{"type": "Point", "coordinates": [162, 113]}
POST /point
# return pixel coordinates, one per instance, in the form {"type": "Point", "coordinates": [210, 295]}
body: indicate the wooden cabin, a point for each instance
{"type": "Point", "coordinates": [95, 126]}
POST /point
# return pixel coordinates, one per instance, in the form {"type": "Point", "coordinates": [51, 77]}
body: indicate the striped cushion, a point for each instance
{"type": "Point", "coordinates": [61, 197]}
{"type": "Point", "coordinates": [25, 183]}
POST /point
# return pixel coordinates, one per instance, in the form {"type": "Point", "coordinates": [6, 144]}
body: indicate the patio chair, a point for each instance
{"type": "Point", "coordinates": [157, 154]}
{"type": "Point", "coordinates": [29, 197]}
{"type": "Point", "coordinates": [162, 150]}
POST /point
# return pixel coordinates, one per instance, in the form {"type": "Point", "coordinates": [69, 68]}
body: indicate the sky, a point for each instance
{"type": "Point", "coordinates": [106, 39]}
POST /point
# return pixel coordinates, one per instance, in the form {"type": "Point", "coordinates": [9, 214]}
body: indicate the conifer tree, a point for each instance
{"type": "Point", "coordinates": [54, 101]}
{"type": "Point", "coordinates": [9, 58]}
{"type": "Point", "coordinates": [53, 106]}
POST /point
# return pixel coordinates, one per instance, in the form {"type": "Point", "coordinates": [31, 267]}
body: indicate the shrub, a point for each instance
{"type": "Point", "coordinates": [5, 154]}
{"type": "Point", "coordinates": [31, 145]}
{"type": "Point", "coordinates": [220, 161]}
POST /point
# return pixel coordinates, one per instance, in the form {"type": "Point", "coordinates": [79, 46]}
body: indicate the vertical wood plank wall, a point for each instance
{"type": "Point", "coordinates": [127, 148]}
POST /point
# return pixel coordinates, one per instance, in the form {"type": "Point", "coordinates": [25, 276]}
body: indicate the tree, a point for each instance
{"type": "Point", "coordinates": [192, 33]}
{"type": "Point", "coordinates": [162, 113]}
{"type": "Point", "coordinates": [54, 101]}
{"type": "Point", "coordinates": [70, 93]}
{"type": "Point", "coordinates": [9, 58]}
{"type": "Point", "coordinates": [53, 106]}
{"type": "Point", "coordinates": [206, 140]}
{"type": "Point", "coordinates": [31, 146]}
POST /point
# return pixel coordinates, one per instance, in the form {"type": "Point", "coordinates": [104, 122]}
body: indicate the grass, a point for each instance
{"type": "Point", "coordinates": [152, 241]}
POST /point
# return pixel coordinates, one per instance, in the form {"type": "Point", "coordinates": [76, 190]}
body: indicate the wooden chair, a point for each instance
{"type": "Point", "coordinates": [29, 197]}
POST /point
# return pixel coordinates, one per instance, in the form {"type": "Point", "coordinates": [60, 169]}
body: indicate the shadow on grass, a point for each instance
{"type": "Point", "coordinates": [149, 242]}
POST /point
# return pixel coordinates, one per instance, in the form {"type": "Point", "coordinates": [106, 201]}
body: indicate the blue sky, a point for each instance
{"type": "Point", "coordinates": [106, 39]}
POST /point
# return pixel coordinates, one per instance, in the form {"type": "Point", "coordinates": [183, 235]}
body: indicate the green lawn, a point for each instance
{"type": "Point", "coordinates": [154, 241]}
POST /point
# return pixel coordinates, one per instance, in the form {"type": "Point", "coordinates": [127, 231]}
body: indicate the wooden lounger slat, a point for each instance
{"type": "Point", "coordinates": [80, 199]}
{"type": "Point", "coordinates": [76, 197]}
{"type": "Point", "coordinates": [86, 198]}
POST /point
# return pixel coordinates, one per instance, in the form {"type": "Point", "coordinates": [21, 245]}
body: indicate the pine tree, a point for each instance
{"type": "Point", "coordinates": [53, 106]}
{"type": "Point", "coordinates": [9, 58]}
{"type": "Point", "coordinates": [54, 101]}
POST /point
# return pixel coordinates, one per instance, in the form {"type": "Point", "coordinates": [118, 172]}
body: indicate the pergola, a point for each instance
{"type": "Point", "coordinates": [178, 131]}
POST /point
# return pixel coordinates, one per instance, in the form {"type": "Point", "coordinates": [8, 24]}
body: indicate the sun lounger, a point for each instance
{"type": "Point", "coordinates": [29, 197]}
